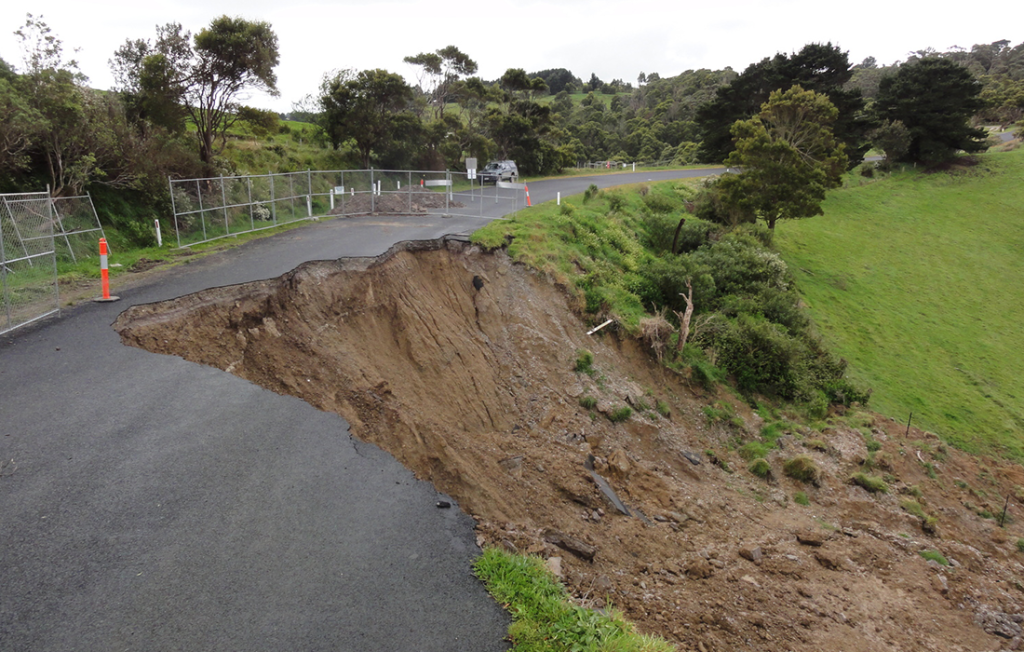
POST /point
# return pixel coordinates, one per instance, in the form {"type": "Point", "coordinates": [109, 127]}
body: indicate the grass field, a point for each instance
{"type": "Point", "coordinates": [918, 281]}
{"type": "Point", "coordinates": [577, 98]}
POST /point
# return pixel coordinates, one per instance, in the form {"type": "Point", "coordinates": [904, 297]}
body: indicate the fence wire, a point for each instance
{"type": "Point", "coordinates": [77, 228]}
{"type": "Point", "coordinates": [28, 261]}
{"type": "Point", "coordinates": [207, 209]}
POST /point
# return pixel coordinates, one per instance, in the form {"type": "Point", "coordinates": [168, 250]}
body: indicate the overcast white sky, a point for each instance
{"type": "Point", "coordinates": [613, 39]}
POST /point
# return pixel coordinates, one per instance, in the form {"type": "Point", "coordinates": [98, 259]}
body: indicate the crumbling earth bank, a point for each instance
{"type": "Point", "coordinates": [461, 364]}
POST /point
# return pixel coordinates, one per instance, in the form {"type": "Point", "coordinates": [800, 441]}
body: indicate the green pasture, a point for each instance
{"type": "Point", "coordinates": [916, 279]}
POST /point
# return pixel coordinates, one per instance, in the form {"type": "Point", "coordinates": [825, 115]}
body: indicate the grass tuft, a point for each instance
{"type": "Point", "coordinates": [934, 555]}
{"type": "Point", "coordinates": [621, 414]}
{"type": "Point", "coordinates": [584, 362]}
{"type": "Point", "coordinates": [872, 483]}
{"type": "Point", "coordinates": [760, 467]}
{"type": "Point", "coordinates": [802, 468]}
{"type": "Point", "coordinates": [543, 617]}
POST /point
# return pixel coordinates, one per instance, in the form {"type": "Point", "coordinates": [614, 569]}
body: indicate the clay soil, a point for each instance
{"type": "Point", "coordinates": [475, 390]}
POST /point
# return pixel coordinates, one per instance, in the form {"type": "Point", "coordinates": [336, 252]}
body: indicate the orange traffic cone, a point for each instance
{"type": "Point", "coordinates": [527, 188]}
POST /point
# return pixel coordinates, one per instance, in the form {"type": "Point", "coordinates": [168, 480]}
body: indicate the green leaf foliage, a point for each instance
{"type": "Point", "coordinates": [935, 100]}
{"type": "Point", "coordinates": [820, 67]}
{"type": "Point", "coordinates": [788, 156]}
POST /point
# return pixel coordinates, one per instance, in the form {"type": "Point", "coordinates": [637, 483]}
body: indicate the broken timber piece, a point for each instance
{"type": "Point", "coordinates": [693, 457]}
{"type": "Point", "coordinates": [606, 488]}
{"type": "Point", "coordinates": [594, 330]}
{"type": "Point", "coordinates": [579, 548]}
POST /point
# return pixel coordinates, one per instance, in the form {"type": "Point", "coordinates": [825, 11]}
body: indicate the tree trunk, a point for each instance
{"type": "Point", "coordinates": [684, 320]}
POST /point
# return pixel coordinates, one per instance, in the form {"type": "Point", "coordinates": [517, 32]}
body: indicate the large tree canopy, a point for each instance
{"type": "Point", "coordinates": [206, 74]}
{"type": "Point", "coordinates": [822, 68]}
{"type": "Point", "coordinates": [440, 70]}
{"type": "Point", "coordinates": [788, 155]}
{"type": "Point", "coordinates": [370, 108]}
{"type": "Point", "coordinates": [935, 100]}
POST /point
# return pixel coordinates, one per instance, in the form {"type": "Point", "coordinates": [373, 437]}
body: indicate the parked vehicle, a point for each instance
{"type": "Point", "coordinates": [496, 171]}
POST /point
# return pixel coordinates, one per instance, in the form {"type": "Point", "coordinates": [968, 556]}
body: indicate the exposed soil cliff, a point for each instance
{"type": "Point", "coordinates": [462, 365]}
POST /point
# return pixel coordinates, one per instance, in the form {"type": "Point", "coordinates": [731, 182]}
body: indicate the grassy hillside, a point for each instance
{"type": "Point", "coordinates": [917, 280]}
{"type": "Point", "coordinates": [577, 98]}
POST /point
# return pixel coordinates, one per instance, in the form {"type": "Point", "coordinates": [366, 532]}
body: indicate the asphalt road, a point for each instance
{"type": "Point", "coordinates": [155, 504]}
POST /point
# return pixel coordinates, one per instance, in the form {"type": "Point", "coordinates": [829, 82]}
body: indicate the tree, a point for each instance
{"type": "Point", "coordinates": [818, 67]}
{"type": "Point", "coordinates": [19, 120]}
{"type": "Point", "coordinates": [207, 75]}
{"type": "Point", "coordinates": [557, 79]}
{"type": "Point", "coordinates": [368, 107]}
{"type": "Point", "coordinates": [1004, 99]}
{"type": "Point", "coordinates": [148, 77]}
{"type": "Point", "coordinates": [893, 138]}
{"type": "Point", "coordinates": [261, 122]}
{"type": "Point", "coordinates": [50, 108]}
{"type": "Point", "coordinates": [935, 99]}
{"type": "Point", "coordinates": [788, 155]}
{"type": "Point", "coordinates": [516, 123]}
{"type": "Point", "coordinates": [441, 69]}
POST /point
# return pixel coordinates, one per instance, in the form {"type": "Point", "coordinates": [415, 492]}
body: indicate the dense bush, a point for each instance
{"type": "Point", "coordinates": [747, 321]}
{"type": "Point", "coordinates": [753, 323]}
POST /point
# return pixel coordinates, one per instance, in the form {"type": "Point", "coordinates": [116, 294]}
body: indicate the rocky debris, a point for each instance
{"type": "Point", "coordinates": [410, 201]}
{"type": "Point", "coordinates": [513, 465]}
{"type": "Point", "coordinates": [554, 564]}
{"type": "Point", "coordinates": [603, 585]}
{"type": "Point", "coordinates": [811, 537]}
{"type": "Point", "coordinates": [700, 569]}
{"type": "Point", "coordinates": [581, 549]}
{"type": "Point", "coordinates": [999, 623]}
{"type": "Point", "coordinates": [751, 553]}
{"type": "Point", "coordinates": [619, 464]}
{"type": "Point", "coordinates": [830, 559]}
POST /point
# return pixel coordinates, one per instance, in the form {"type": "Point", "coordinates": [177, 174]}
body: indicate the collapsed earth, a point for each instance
{"type": "Point", "coordinates": [479, 374]}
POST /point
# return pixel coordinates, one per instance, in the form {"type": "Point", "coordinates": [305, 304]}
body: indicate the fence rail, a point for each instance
{"type": "Point", "coordinates": [217, 207]}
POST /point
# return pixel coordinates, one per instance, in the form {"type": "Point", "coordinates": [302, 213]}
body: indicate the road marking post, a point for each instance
{"type": "Point", "coordinates": [104, 274]}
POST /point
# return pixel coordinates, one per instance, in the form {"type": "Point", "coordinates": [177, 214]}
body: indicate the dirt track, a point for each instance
{"type": "Point", "coordinates": [476, 391]}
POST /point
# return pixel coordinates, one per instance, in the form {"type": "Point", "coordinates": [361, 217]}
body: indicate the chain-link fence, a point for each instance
{"type": "Point", "coordinates": [207, 209]}
{"type": "Point", "coordinates": [28, 261]}
{"type": "Point", "coordinates": [77, 228]}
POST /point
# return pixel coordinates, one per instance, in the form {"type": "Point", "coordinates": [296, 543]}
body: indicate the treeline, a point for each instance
{"type": "Point", "coordinates": [539, 120]}
{"type": "Point", "coordinates": [176, 102]}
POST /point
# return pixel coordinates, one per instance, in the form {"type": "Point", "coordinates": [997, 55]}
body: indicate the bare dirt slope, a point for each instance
{"type": "Point", "coordinates": [475, 389]}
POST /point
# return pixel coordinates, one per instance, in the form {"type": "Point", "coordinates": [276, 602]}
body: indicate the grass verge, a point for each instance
{"type": "Point", "coordinates": [543, 618]}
